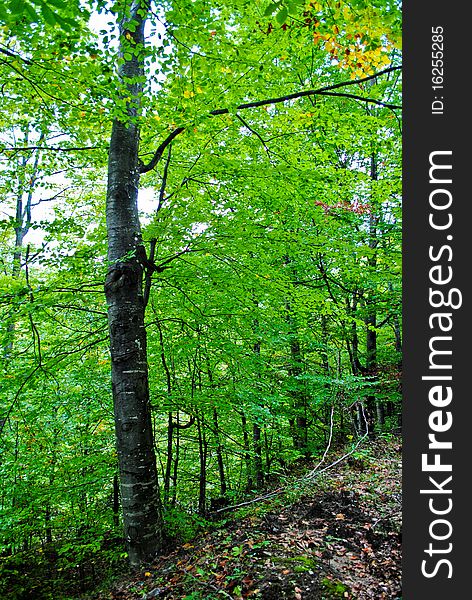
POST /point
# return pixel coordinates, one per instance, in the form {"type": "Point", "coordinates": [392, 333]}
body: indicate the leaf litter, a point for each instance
{"type": "Point", "coordinates": [340, 539]}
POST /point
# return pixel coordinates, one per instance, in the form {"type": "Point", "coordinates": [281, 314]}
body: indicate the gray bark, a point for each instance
{"type": "Point", "coordinates": [371, 319]}
{"type": "Point", "coordinates": [142, 518]}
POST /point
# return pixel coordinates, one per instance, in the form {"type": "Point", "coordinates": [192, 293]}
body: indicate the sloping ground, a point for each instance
{"type": "Point", "coordinates": [339, 539]}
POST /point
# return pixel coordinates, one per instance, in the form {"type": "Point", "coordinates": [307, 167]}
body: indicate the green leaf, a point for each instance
{"type": "Point", "coordinates": [282, 15]}
{"type": "Point", "coordinates": [65, 23]}
{"type": "Point", "coordinates": [294, 6]}
{"type": "Point", "coordinates": [17, 7]}
{"type": "Point", "coordinates": [32, 14]}
{"type": "Point", "coordinates": [59, 4]}
{"type": "Point", "coordinates": [270, 10]}
{"type": "Point", "coordinates": [48, 15]}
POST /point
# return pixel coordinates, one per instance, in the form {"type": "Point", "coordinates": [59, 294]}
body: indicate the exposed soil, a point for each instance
{"type": "Point", "coordinates": [340, 539]}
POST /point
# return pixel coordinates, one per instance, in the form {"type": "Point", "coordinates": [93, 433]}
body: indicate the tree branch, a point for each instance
{"type": "Point", "coordinates": [324, 91]}
{"type": "Point", "coordinates": [79, 308]}
{"type": "Point", "coordinates": [15, 56]}
{"type": "Point", "coordinates": [362, 98]}
{"type": "Point", "coordinates": [51, 148]}
{"type": "Point", "coordinates": [160, 151]}
{"type": "Point", "coordinates": [164, 180]}
{"type": "Point", "coordinates": [160, 267]}
{"type": "Point", "coordinates": [304, 93]}
{"type": "Point", "coordinates": [249, 128]}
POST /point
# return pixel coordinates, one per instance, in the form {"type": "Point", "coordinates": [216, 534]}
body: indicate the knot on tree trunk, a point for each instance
{"type": "Point", "coordinates": [122, 276]}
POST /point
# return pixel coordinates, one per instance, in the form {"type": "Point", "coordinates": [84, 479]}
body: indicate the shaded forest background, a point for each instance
{"type": "Point", "coordinates": [272, 276]}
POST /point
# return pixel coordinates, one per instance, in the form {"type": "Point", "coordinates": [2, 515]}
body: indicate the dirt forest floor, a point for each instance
{"type": "Point", "coordinates": [339, 537]}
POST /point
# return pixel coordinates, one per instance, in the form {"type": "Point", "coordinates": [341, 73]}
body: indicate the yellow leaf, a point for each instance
{"type": "Point", "coordinates": [188, 94]}
{"type": "Point", "coordinates": [147, 574]}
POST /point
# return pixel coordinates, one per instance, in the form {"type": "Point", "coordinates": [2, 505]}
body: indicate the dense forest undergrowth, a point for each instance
{"type": "Point", "coordinates": [334, 535]}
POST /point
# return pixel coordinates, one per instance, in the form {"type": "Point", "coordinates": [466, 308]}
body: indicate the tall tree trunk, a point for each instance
{"type": "Point", "coordinates": [202, 455]}
{"type": "Point", "coordinates": [300, 423]}
{"type": "Point", "coordinates": [353, 344]}
{"type": "Point", "coordinates": [398, 340]}
{"type": "Point", "coordinates": [373, 403]}
{"type": "Point", "coordinates": [217, 434]}
{"type": "Point", "coordinates": [247, 453]}
{"type": "Point", "coordinates": [116, 501]}
{"type": "Point", "coordinates": [219, 454]}
{"type": "Point", "coordinates": [168, 470]}
{"type": "Point", "coordinates": [23, 224]}
{"type": "Point", "coordinates": [170, 427]}
{"type": "Point", "coordinates": [258, 467]}
{"type": "Point", "coordinates": [324, 352]}
{"type": "Point", "coordinates": [269, 457]}
{"type": "Point", "coordinates": [47, 520]}
{"type": "Point", "coordinates": [142, 517]}
{"type": "Point", "coordinates": [256, 428]}
{"type": "Point", "coordinates": [175, 471]}
{"type": "Point", "coordinates": [358, 414]}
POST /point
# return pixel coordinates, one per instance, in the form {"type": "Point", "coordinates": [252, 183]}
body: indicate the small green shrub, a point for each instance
{"type": "Point", "coordinates": [332, 589]}
{"type": "Point", "coordinates": [182, 526]}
